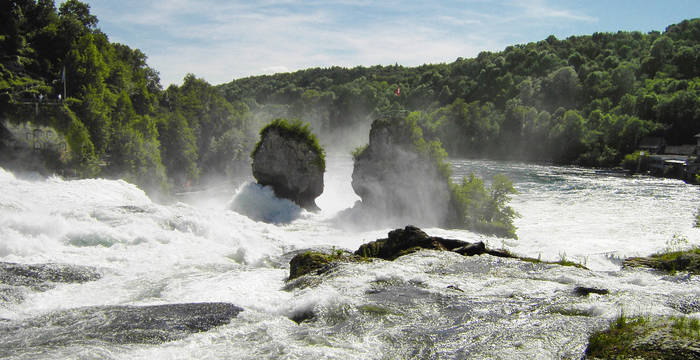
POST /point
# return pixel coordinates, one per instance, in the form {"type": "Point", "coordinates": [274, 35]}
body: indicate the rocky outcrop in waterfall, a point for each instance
{"type": "Point", "coordinates": [411, 239]}
{"type": "Point", "coordinates": [398, 178]}
{"type": "Point", "coordinates": [400, 242]}
{"type": "Point", "coordinates": [289, 159]}
{"type": "Point", "coordinates": [403, 179]}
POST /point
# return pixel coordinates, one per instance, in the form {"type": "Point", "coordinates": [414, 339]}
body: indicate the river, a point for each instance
{"type": "Point", "coordinates": [424, 305]}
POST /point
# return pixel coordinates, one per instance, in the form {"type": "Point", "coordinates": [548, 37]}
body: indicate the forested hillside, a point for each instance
{"type": "Point", "coordinates": [585, 99]}
{"type": "Point", "coordinates": [117, 119]}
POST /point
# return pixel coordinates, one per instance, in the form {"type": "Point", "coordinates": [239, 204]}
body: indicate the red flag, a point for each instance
{"type": "Point", "coordinates": [397, 91]}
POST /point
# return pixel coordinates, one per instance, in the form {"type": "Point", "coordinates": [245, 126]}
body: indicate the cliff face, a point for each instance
{"type": "Point", "coordinates": [396, 181]}
{"type": "Point", "coordinates": [289, 165]}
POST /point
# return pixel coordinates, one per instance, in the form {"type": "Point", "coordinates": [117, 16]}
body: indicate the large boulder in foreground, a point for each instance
{"type": "Point", "coordinates": [289, 159]}
{"type": "Point", "coordinates": [398, 176]}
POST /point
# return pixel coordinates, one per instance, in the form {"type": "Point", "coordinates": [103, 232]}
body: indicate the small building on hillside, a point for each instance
{"type": "Point", "coordinates": [672, 161]}
{"type": "Point", "coordinates": [672, 166]}
{"type": "Point", "coordinates": [693, 167]}
{"type": "Point", "coordinates": [28, 136]}
{"type": "Point", "coordinates": [685, 150]}
{"type": "Point", "coordinates": [27, 146]}
{"type": "Point", "coordinates": [653, 145]}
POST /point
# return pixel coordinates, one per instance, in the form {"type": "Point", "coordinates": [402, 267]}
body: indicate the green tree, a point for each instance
{"type": "Point", "coordinates": [486, 210]}
{"type": "Point", "coordinates": [179, 149]}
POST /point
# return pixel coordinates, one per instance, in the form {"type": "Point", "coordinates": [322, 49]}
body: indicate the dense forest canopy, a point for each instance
{"type": "Point", "coordinates": [585, 99]}
{"type": "Point", "coordinates": [117, 119]}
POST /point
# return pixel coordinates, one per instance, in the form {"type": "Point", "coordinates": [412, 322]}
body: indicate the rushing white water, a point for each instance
{"type": "Point", "coordinates": [576, 213]}
{"type": "Point", "coordinates": [425, 305]}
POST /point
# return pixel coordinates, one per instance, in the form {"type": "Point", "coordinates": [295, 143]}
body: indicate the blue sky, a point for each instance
{"type": "Point", "coordinates": [221, 40]}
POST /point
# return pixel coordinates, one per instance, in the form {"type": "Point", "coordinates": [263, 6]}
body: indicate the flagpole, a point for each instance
{"type": "Point", "coordinates": [63, 77]}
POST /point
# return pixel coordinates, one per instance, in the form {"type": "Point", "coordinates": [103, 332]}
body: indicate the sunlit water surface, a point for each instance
{"type": "Point", "coordinates": [425, 305]}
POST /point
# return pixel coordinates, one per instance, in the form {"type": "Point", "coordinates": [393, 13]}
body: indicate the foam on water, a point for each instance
{"type": "Point", "coordinates": [150, 253]}
{"type": "Point", "coordinates": [260, 203]}
{"type": "Point", "coordinates": [575, 213]}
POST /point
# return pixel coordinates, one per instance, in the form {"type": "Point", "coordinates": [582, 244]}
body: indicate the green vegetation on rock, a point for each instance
{"type": "Point", "coordinates": [317, 262]}
{"type": "Point", "coordinates": [671, 261]}
{"type": "Point", "coordinates": [647, 338]}
{"type": "Point", "coordinates": [297, 130]}
{"type": "Point", "coordinates": [375, 310]}
{"type": "Point", "coordinates": [289, 159]}
{"type": "Point", "coordinates": [562, 262]}
{"type": "Point", "coordinates": [410, 239]}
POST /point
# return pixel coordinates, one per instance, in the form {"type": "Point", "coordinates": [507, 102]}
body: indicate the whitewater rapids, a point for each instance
{"type": "Point", "coordinates": [425, 305]}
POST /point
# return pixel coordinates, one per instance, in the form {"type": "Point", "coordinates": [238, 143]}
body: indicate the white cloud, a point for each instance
{"type": "Point", "coordinates": [538, 9]}
{"type": "Point", "coordinates": [275, 69]}
{"type": "Point", "coordinates": [222, 40]}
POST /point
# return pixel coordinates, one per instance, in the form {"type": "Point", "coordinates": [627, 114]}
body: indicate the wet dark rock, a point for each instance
{"type": "Point", "coordinates": [303, 316]}
{"type": "Point", "coordinates": [18, 279]}
{"type": "Point", "coordinates": [289, 160]}
{"type": "Point", "coordinates": [405, 241]}
{"type": "Point", "coordinates": [585, 291]}
{"type": "Point", "coordinates": [115, 324]}
{"type": "Point", "coordinates": [454, 287]}
{"type": "Point", "coordinates": [36, 276]}
{"type": "Point", "coordinates": [471, 249]}
{"type": "Point", "coordinates": [411, 239]}
{"type": "Point", "coordinates": [504, 254]}
{"type": "Point", "coordinates": [398, 243]}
